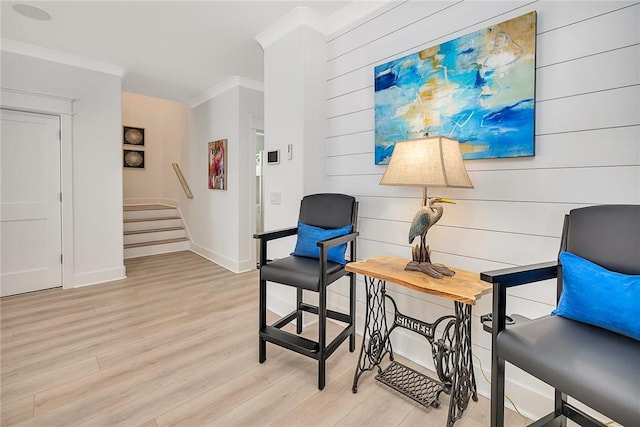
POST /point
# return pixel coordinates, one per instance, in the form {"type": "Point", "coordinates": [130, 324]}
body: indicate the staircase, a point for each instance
{"type": "Point", "coordinates": [153, 229]}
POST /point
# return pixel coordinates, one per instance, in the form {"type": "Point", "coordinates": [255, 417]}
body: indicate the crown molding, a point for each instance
{"type": "Point", "coordinates": [225, 85]}
{"type": "Point", "coordinates": [355, 11]}
{"type": "Point", "coordinates": [339, 20]}
{"type": "Point", "coordinates": [294, 19]}
{"type": "Point", "coordinates": [25, 49]}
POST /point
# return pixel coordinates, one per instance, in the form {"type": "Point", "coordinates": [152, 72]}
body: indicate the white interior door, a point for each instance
{"type": "Point", "coordinates": [30, 215]}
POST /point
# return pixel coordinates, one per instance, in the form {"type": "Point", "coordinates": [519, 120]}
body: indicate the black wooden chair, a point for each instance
{"type": "Point", "coordinates": [313, 266]}
{"type": "Point", "coordinates": [589, 350]}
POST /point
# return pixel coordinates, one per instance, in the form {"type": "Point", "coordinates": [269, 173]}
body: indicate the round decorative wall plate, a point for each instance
{"type": "Point", "coordinates": [133, 159]}
{"type": "Point", "coordinates": [133, 136]}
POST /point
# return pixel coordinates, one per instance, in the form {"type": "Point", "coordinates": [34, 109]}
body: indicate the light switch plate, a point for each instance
{"type": "Point", "coordinates": [275, 198]}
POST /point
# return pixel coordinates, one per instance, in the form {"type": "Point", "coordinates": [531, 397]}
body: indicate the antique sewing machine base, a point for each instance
{"type": "Point", "coordinates": [451, 353]}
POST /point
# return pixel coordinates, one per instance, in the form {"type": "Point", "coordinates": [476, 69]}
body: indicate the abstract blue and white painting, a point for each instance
{"type": "Point", "coordinates": [478, 89]}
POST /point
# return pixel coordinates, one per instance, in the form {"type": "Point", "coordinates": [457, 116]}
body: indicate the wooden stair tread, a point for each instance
{"type": "Point", "coordinates": [130, 208]}
{"type": "Point", "coordinates": [151, 219]}
{"type": "Point", "coordinates": [155, 242]}
{"type": "Point", "coordinates": [152, 230]}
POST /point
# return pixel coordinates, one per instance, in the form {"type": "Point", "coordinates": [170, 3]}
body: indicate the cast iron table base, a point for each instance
{"type": "Point", "coordinates": [451, 353]}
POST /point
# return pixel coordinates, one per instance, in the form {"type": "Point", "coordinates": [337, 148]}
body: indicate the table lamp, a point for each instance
{"type": "Point", "coordinates": [427, 162]}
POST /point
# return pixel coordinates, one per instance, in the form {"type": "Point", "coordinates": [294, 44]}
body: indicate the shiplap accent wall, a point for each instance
{"type": "Point", "coordinates": [587, 152]}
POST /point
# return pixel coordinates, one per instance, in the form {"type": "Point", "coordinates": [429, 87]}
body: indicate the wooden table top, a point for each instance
{"type": "Point", "coordinates": [464, 286]}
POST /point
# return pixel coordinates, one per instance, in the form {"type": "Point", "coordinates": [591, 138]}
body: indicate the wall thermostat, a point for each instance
{"type": "Point", "coordinates": [273, 157]}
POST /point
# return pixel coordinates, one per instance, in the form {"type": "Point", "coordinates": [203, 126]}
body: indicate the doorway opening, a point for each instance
{"type": "Point", "coordinates": [259, 188]}
{"type": "Point", "coordinates": [259, 181]}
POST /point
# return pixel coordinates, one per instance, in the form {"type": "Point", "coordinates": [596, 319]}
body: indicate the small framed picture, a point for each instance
{"type": "Point", "coordinates": [133, 159]}
{"type": "Point", "coordinates": [133, 136]}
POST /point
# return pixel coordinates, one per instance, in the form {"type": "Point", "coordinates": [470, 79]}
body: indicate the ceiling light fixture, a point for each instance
{"type": "Point", "coordinates": [31, 12]}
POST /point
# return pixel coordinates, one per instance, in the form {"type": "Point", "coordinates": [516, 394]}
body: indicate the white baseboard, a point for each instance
{"type": "Point", "coordinates": [246, 265]}
{"type": "Point", "coordinates": [221, 260]}
{"type": "Point", "coordinates": [96, 277]}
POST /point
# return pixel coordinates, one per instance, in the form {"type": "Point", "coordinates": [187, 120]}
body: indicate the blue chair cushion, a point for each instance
{"type": "Point", "coordinates": [597, 296]}
{"type": "Point", "coordinates": [309, 235]}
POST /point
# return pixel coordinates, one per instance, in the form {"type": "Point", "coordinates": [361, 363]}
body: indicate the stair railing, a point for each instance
{"type": "Point", "coordinates": [183, 182]}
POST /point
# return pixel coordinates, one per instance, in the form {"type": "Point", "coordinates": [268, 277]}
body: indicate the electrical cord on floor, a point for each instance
{"type": "Point", "coordinates": [523, 417]}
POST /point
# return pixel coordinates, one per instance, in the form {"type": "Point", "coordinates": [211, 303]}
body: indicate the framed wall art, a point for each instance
{"type": "Point", "coordinates": [133, 159]}
{"type": "Point", "coordinates": [133, 136]}
{"type": "Point", "coordinates": [217, 154]}
{"type": "Point", "coordinates": [478, 89]}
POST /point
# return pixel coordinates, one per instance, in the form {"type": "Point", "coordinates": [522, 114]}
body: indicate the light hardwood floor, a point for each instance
{"type": "Point", "coordinates": [176, 344]}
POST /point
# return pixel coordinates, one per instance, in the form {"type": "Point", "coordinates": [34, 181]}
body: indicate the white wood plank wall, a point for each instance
{"type": "Point", "coordinates": [587, 152]}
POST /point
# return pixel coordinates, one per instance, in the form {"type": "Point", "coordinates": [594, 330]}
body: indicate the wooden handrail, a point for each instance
{"type": "Point", "coordinates": [183, 182]}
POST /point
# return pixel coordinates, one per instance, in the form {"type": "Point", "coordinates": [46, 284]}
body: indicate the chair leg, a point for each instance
{"type": "Point", "coordinates": [497, 392]}
{"type": "Point", "coordinates": [322, 335]}
{"type": "Point", "coordinates": [497, 364]}
{"type": "Point", "coordinates": [559, 399]}
{"type": "Point", "coordinates": [262, 320]}
{"type": "Point", "coordinates": [352, 312]}
{"type": "Point", "coordinates": [299, 311]}
{"type": "Point", "coordinates": [321, 373]}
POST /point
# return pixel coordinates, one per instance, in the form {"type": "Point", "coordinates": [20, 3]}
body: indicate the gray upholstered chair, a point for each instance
{"type": "Point", "coordinates": [312, 272]}
{"type": "Point", "coordinates": [594, 365]}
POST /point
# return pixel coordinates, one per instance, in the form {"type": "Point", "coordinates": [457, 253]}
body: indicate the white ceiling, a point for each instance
{"type": "Point", "coordinates": [168, 49]}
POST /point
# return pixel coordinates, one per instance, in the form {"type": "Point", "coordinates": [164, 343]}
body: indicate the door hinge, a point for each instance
{"type": "Point", "coordinates": [60, 135]}
{"type": "Point", "coordinates": [60, 258]}
{"type": "Point", "coordinates": [60, 196]}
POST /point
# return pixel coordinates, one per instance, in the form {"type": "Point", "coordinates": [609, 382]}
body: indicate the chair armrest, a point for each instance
{"type": "Point", "coordinates": [335, 241]}
{"type": "Point", "coordinates": [276, 234]}
{"type": "Point", "coordinates": [263, 238]}
{"type": "Point", "coordinates": [515, 276]}
{"type": "Point", "coordinates": [506, 278]}
{"type": "Point", "coordinates": [324, 246]}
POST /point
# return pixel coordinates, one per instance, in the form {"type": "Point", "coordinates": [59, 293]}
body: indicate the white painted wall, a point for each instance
{"type": "Point", "coordinates": [283, 122]}
{"type": "Point", "coordinates": [96, 158]}
{"type": "Point", "coordinates": [220, 220]}
{"type": "Point", "coordinates": [314, 109]}
{"type": "Point", "coordinates": [166, 132]}
{"type": "Point", "coordinates": [295, 108]}
{"type": "Point", "coordinates": [295, 111]}
{"type": "Point", "coordinates": [587, 152]}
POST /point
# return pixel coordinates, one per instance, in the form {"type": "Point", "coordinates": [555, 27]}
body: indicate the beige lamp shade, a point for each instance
{"type": "Point", "coordinates": [434, 162]}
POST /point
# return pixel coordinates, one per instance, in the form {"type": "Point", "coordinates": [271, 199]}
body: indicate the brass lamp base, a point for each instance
{"type": "Point", "coordinates": [422, 262]}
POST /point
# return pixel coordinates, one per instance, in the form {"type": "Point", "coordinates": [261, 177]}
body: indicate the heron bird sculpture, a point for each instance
{"type": "Point", "coordinates": [423, 220]}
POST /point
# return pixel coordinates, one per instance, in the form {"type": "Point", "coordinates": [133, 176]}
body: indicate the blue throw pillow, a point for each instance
{"type": "Point", "coordinates": [594, 295]}
{"type": "Point", "coordinates": [308, 236]}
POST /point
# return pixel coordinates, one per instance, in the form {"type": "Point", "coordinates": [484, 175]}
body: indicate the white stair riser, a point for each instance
{"type": "Point", "coordinates": [152, 237]}
{"type": "Point", "coordinates": [156, 249]}
{"type": "Point", "coordinates": [146, 225]}
{"type": "Point", "coordinates": [151, 213]}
